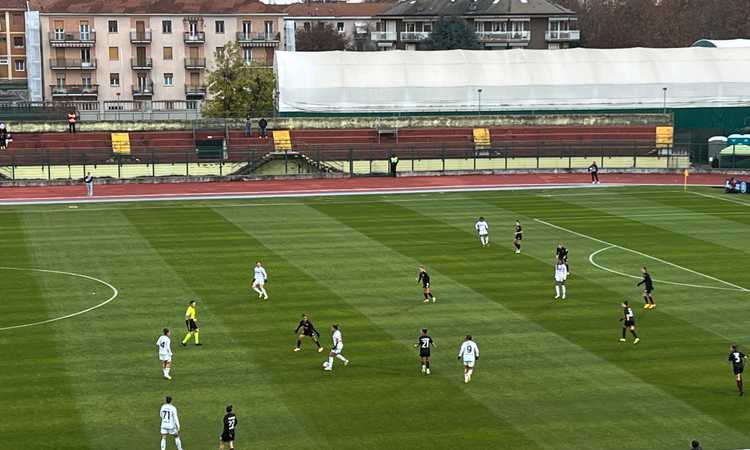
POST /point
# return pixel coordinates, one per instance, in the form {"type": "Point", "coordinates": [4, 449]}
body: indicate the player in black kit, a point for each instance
{"type": "Point", "coordinates": [424, 278]}
{"type": "Point", "coordinates": [230, 425]}
{"type": "Point", "coordinates": [425, 344]}
{"type": "Point", "coordinates": [562, 255]}
{"type": "Point", "coordinates": [737, 358]}
{"type": "Point", "coordinates": [308, 329]}
{"type": "Point", "coordinates": [628, 322]}
{"type": "Point", "coordinates": [517, 237]}
{"type": "Point", "coordinates": [648, 289]}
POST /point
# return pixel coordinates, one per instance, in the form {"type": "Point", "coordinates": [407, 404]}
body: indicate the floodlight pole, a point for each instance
{"type": "Point", "coordinates": [664, 91]}
{"type": "Point", "coordinates": [479, 102]}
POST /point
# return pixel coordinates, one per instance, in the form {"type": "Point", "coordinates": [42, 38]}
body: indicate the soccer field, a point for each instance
{"type": "Point", "coordinates": [552, 375]}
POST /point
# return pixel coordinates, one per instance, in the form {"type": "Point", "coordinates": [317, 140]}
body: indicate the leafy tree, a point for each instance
{"type": "Point", "coordinates": [320, 38]}
{"type": "Point", "coordinates": [236, 89]}
{"type": "Point", "coordinates": [452, 33]}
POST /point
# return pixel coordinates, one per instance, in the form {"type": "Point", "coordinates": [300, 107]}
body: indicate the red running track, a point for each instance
{"type": "Point", "coordinates": [141, 191]}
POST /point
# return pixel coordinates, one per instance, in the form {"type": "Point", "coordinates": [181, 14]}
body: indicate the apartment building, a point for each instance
{"type": "Point", "coordinates": [147, 49]}
{"type": "Point", "coordinates": [13, 67]}
{"type": "Point", "coordinates": [355, 21]}
{"type": "Point", "coordinates": [499, 24]}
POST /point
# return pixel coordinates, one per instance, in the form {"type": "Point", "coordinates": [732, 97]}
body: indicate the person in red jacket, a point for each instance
{"type": "Point", "coordinates": [72, 119]}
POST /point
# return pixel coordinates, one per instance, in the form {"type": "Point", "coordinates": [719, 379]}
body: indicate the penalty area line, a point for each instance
{"type": "Point", "coordinates": [677, 266]}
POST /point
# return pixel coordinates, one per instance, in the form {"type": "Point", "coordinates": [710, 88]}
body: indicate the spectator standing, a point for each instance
{"type": "Point", "coordinates": [72, 119]}
{"type": "Point", "coordinates": [594, 171]}
{"type": "Point", "coordinates": [248, 127]}
{"type": "Point", "coordinates": [394, 163]}
{"type": "Point", "coordinates": [4, 135]}
{"type": "Point", "coordinates": [695, 445]}
{"type": "Point", "coordinates": [262, 124]}
{"type": "Point", "coordinates": [89, 180]}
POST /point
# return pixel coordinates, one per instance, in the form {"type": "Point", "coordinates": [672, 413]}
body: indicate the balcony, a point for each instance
{"type": "Point", "coordinates": [74, 39]}
{"type": "Point", "coordinates": [563, 35]}
{"type": "Point", "coordinates": [73, 64]}
{"type": "Point", "coordinates": [143, 90]}
{"type": "Point", "coordinates": [195, 90]}
{"type": "Point", "coordinates": [141, 63]}
{"type": "Point", "coordinates": [75, 90]}
{"type": "Point", "coordinates": [197, 37]}
{"type": "Point", "coordinates": [383, 35]}
{"type": "Point", "coordinates": [195, 63]}
{"type": "Point", "coordinates": [414, 36]}
{"type": "Point", "coordinates": [258, 39]}
{"type": "Point", "coordinates": [504, 36]}
{"type": "Point", "coordinates": [140, 37]}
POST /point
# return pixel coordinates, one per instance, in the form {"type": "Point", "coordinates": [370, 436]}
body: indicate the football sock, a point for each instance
{"type": "Point", "coordinates": [316, 343]}
{"type": "Point", "coordinates": [187, 338]}
{"type": "Point", "coordinates": [468, 374]}
{"type": "Point", "coordinates": [197, 337]}
{"type": "Point", "coordinates": [258, 291]}
{"type": "Point", "coordinates": [623, 333]}
{"type": "Point", "coordinates": [633, 333]}
{"type": "Point", "coordinates": [299, 343]}
{"type": "Point", "coordinates": [430, 294]}
{"type": "Point", "coordinates": [330, 361]}
{"type": "Point", "coordinates": [165, 372]}
{"type": "Point", "coordinates": [263, 291]}
{"type": "Point", "coordinates": [563, 289]}
{"type": "Point", "coordinates": [557, 290]}
{"type": "Point", "coordinates": [427, 364]}
{"type": "Point", "coordinates": [341, 357]}
{"type": "Point", "coordinates": [163, 443]}
{"type": "Point", "coordinates": [426, 296]}
{"type": "Point", "coordinates": [178, 443]}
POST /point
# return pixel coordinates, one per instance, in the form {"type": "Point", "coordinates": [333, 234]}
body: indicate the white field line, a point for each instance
{"type": "Point", "coordinates": [677, 266]}
{"type": "Point", "coordinates": [311, 193]}
{"type": "Point", "coordinates": [730, 200]}
{"type": "Point", "coordinates": [699, 286]}
{"type": "Point", "coordinates": [115, 293]}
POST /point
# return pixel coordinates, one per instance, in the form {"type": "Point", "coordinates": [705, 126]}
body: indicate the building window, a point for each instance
{"type": "Point", "coordinates": [112, 26]}
{"type": "Point", "coordinates": [427, 27]}
{"type": "Point", "coordinates": [268, 27]}
{"type": "Point", "coordinates": [219, 51]}
{"type": "Point", "coordinates": [114, 79]}
{"type": "Point", "coordinates": [20, 65]}
{"type": "Point", "coordinates": [86, 80]}
{"type": "Point", "coordinates": [340, 27]}
{"type": "Point", "coordinates": [114, 54]}
{"type": "Point", "coordinates": [18, 42]}
{"type": "Point", "coordinates": [17, 19]}
{"type": "Point", "coordinates": [247, 55]}
{"type": "Point", "coordinates": [220, 26]}
{"type": "Point", "coordinates": [166, 26]}
{"type": "Point", "coordinates": [167, 53]}
{"type": "Point", "coordinates": [306, 26]}
{"type": "Point", "coordinates": [168, 79]}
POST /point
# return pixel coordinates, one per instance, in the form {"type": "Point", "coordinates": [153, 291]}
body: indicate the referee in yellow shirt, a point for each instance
{"type": "Point", "coordinates": [192, 325]}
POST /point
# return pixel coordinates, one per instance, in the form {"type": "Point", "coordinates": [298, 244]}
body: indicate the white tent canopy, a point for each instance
{"type": "Point", "coordinates": [432, 81]}
{"type": "Point", "coordinates": [725, 43]}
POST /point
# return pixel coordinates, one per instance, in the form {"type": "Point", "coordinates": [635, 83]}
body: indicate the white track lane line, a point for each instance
{"type": "Point", "coordinates": [115, 293]}
{"type": "Point", "coordinates": [607, 269]}
{"type": "Point", "coordinates": [695, 272]}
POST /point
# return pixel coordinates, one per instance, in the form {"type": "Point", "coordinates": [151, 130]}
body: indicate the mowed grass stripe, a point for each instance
{"type": "Point", "coordinates": [436, 244]}
{"type": "Point", "coordinates": [380, 284]}
{"type": "Point", "coordinates": [204, 259]}
{"type": "Point", "coordinates": [35, 383]}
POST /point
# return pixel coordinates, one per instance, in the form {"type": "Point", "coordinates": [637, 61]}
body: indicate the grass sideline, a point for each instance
{"type": "Point", "coordinates": [551, 375]}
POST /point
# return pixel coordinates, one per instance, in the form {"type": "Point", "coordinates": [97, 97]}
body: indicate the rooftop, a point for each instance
{"type": "Point", "coordinates": [477, 8]}
{"type": "Point", "coordinates": [337, 9]}
{"type": "Point", "coordinates": [197, 7]}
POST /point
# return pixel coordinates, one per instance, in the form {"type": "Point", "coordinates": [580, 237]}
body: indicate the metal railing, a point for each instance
{"type": "Point", "coordinates": [504, 36]}
{"type": "Point", "coordinates": [197, 37]}
{"type": "Point", "coordinates": [195, 89]}
{"type": "Point", "coordinates": [141, 63]}
{"type": "Point", "coordinates": [562, 35]}
{"type": "Point", "coordinates": [66, 63]}
{"type": "Point", "coordinates": [414, 35]}
{"type": "Point", "coordinates": [140, 37]}
{"type": "Point", "coordinates": [75, 89]}
{"type": "Point", "coordinates": [257, 36]}
{"type": "Point", "coordinates": [57, 38]}
{"type": "Point", "coordinates": [383, 35]}
{"type": "Point", "coordinates": [246, 155]}
{"type": "Point", "coordinates": [195, 63]}
{"type": "Point", "coordinates": [145, 89]}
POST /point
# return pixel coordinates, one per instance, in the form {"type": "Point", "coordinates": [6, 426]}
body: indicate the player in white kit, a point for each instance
{"type": "Point", "coordinates": [164, 344]}
{"type": "Point", "coordinates": [259, 280]}
{"type": "Point", "coordinates": [561, 274]}
{"type": "Point", "coordinates": [483, 229]}
{"type": "Point", "coordinates": [170, 424]}
{"type": "Point", "coordinates": [469, 352]}
{"type": "Point", "coordinates": [338, 345]}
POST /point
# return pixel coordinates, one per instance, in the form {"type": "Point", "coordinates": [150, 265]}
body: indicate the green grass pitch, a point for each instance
{"type": "Point", "coordinates": [551, 376]}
